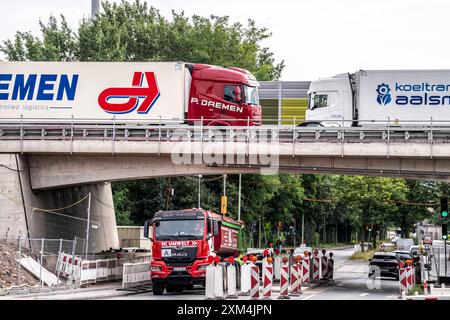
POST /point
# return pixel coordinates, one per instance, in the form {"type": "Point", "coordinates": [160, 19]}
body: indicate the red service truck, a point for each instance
{"type": "Point", "coordinates": [182, 242]}
{"type": "Point", "coordinates": [154, 92]}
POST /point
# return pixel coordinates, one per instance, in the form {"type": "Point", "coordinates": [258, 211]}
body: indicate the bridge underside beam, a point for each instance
{"type": "Point", "coordinates": [52, 171]}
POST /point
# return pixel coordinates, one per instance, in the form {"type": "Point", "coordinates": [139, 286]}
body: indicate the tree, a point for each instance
{"type": "Point", "coordinates": [133, 31]}
{"type": "Point", "coordinates": [136, 32]}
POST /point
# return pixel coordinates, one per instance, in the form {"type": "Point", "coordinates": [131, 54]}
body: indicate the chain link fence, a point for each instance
{"type": "Point", "coordinates": [58, 225]}
{"type": "Point", "coordinates": [28, 263]}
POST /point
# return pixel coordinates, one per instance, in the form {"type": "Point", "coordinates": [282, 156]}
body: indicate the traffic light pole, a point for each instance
{"type": "Point", "coordinates": [445, 257]}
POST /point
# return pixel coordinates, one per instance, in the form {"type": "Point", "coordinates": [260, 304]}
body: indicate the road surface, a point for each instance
{"type": "Point", "coordinates": [350, 283]}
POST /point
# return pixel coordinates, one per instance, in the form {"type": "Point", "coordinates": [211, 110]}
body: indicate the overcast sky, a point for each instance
{"type": "Point", "coordinates": [316, 38]}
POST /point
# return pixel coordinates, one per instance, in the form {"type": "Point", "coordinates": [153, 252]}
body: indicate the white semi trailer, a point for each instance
{"type": "Point", "coordinates": [381, 97]}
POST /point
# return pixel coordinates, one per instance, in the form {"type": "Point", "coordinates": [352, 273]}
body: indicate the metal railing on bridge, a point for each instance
{"type": "Point", "coordinates": [173, 130]}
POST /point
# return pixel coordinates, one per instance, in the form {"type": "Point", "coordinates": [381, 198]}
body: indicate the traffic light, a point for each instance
{"type": "Point", "coordinates": [444, 207]}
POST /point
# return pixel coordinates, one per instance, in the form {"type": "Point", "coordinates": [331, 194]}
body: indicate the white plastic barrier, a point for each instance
{"type": "Point", "coordinates": [88, 272]}
{"type": "Point", "coordinates": [435, 290]}
{"type": "Point", "coordinates": [102, 270]}
{"type": "Point", "coordinates": [218, 286]}
{"type": "Point", "coordinates": [136, 274]}
{"type": "Point", "coordinates": [425, 297]}
{"type": "Point", "coordinates": [231, 282]}
{"type": "Point", "coordinates": [245, 278]}
{"type": "Point", "coordinates": [277, 268]}
{"type": "Point", "coordinates": [68, 266]}
{"type": "Point", "coordinates": [111, 269]}
{"type": "Point", "coordinates": [76, 269]}
{"type": "Point", "coordinates": [119, 269]}
{"type": "Point", "coordinates": [210, 282]}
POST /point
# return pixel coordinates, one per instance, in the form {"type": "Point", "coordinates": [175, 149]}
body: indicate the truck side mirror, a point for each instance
{"type": "Point", "coordinates": [147, 225]}
{"type": "Point", "coordinates": [215, 228]}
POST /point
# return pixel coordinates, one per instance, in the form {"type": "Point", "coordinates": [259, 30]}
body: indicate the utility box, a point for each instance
{"type": "Point", "coordinates": [133, 237]}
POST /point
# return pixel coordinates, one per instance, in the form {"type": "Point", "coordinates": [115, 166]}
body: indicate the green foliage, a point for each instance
{"type": "Point", "coordinates": [133, 31]}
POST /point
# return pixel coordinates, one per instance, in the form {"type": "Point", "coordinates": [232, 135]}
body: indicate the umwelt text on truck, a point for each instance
{"type": "Point", "coordinates": [381, 97]}
{"type": "Point", "coordinates": [155, 92]}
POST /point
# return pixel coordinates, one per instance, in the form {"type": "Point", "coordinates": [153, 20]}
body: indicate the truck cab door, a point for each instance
{"type": "Point", "coordinates": [231, 98]}
{"type": "Point", "coordinates": [330, 101]}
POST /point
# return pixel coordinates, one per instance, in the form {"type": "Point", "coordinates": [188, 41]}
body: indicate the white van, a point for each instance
{"type": "Point", "coordinates": [404, 244]}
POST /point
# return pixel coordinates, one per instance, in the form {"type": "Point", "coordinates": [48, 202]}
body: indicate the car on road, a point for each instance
{"type": "Point", "coordinates": [383, 264]}
{"type": "Point", "coordinates": [395, 239]}
{"type": "Point", "coordinates": [259, 253]}
{"type": "Point", "coordinates": [414, 250]}
{"type": "Point", "coordinates": [403, 255]}
{"type": "Point", "coordinates": [404, 244]}
{"type": "Point", "coordinates": [300, 251]}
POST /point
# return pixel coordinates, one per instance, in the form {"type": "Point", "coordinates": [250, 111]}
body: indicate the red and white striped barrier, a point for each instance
{"type": "Point", "coordinates": [402, 280]}
{"type": "Point", "coordinates": [324, 265]}
{"type": "Point", "coordinates": [409, 277]}
{"type": "Point", "coordinates": [295, 279]}
{"type": "Point", "coordinates": [254, 281]}
{"type": "Point", "coordinates": [330, 268]}
{"type": "Point", "coordinates": [76, 269]}
{"type": "Point", "coordinates": [284, 279]}
{"type": "Point", "coordinates": [305, 271]}
{"type": "Point", "coordinates": [315, 269]}
{"type": "Point", "coordinates": [268, 280]}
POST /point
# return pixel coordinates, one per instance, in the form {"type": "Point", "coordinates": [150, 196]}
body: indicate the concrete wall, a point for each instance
{"type": "Point", "coordinates": [19, 216]}
{"type": "Point", "coordinates": [13, 222]}
{"type": "Point", "coordinates": [81, 169]}
{"type": "Point", "coordinates": [133, 236]}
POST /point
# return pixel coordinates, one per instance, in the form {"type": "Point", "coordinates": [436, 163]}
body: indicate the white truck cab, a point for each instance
{"type": "Point", "coordinates": [331, 101]}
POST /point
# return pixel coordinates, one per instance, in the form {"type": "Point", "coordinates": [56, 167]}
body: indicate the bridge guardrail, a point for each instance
{"type": "Point", "coordinates": [170, 130]}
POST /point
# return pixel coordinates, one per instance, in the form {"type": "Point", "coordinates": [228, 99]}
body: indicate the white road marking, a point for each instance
{"type": "Point", "coordinates": [364, 294]}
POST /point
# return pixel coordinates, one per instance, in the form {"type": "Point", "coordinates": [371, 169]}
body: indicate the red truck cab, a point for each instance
{"type": "Point", "coordinates": [182, 242]}
{"type": "Point", "coordinates": [223, 96]}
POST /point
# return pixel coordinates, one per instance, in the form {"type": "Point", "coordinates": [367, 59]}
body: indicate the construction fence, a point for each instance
{"type": "Point", "coordinates": [27, 264]}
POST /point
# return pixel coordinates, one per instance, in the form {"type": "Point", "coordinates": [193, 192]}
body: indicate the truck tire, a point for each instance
{"type": "Point", "coordinates": [170, 289]}
{"type": "Point", "coordinates": [158, 289]}
{"type": "Point", "coordinates": [178, 289]}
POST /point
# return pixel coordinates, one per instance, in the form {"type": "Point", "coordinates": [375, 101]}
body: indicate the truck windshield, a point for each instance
{"type": "Point", "coordinates": [251, 95]}
{"type": "Point", "coordinates": [180, 229]}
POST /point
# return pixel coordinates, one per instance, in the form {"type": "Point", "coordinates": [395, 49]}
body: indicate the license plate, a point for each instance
{"type": "Point", "coordinates": [179, 269]}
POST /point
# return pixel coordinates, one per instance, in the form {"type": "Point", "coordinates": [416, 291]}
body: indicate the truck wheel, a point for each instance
{"type": "Point", "coordinates": [169, 289]}
{"type": "Point", "coordinates": [158, 289]}
{"type": "Point", "coordinates": [178, 289]}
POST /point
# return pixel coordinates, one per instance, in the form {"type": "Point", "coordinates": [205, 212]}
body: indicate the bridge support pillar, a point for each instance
{"type": "Point", "coordinates": [21, 214]}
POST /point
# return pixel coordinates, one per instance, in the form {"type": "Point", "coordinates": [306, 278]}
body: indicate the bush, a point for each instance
{"type": "Point", "coordinates": [316, 238]}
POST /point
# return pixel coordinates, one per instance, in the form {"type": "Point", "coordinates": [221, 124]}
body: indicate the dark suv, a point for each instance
{"type": "Point", "coordinates": [385, 263]}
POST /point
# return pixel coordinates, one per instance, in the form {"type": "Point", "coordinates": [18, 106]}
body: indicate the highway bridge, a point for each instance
{"type": "Point", "coordinates": [54, 165]}
{"type": "Point", "coordinates": [48, 165]}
